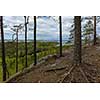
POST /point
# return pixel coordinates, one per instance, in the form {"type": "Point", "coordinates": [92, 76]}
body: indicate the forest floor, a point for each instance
{"type": "Point", "coordinates": [62, 70]}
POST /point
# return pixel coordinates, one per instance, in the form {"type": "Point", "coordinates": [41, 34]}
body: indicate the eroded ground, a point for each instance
{"type": "Point", "coordinates": [61, 69]}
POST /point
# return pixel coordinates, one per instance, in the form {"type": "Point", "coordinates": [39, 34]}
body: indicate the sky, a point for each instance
{"type": "Point", "coordinates": [47, 27]}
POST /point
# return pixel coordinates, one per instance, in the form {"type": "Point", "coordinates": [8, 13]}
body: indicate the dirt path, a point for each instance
{"type": "Point", "coordinates": [54, 69]}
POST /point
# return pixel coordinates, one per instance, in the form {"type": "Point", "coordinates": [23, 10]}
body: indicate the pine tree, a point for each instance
{"type": "Point", "coordinates": [87, 31]}
{"type": "Point", "coordinates": [3, 48]}
{"type": "Point", "coordinates": [94, 30]}
{"type": "Point", "coordinates": [60, 30]}
{"type": "Point", "coordinates": [77, 40]}
{"type": "Point", "coordinates": [35, 56]}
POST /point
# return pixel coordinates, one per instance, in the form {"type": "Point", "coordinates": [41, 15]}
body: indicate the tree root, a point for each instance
{"type": "Point", "coordinates": [71, 78]}
{"type": "Point", "coordinates": [65, 75]}
{"type": "Point", "coordinates": [90, 76]}
{"type": "Point", "coordinates": [84, 75]}
{"type": "Point", "coordinates": [54, 69]}
{"type": "Point", "coordinates": [61, 80]}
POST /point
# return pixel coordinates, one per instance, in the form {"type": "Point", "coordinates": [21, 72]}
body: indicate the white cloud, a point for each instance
{"type": "Point", "coordinates": [44, 25]}
{"type": "Point", "coordinates": [47, 27]}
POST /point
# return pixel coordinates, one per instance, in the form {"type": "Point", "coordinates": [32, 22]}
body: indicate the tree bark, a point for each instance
{"type": "Point", "coordinates": [35, 56]}
{"type": "Point", "coordinates": [17, 51]}
{"type": "Point", "coordinates": [3, 49]}
{"type": "Point", "coordinates": [94, 30]}
{"type": "Point", "coordinates": [60, 30]}
{"type": "Point", "coordinates": [25, 41]}
{"type": "Point", "coordinates": [77, 41]}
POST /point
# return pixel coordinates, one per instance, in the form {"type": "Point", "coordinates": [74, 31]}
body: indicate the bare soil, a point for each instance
{"type": "Point", "coordinates": [62, 70]}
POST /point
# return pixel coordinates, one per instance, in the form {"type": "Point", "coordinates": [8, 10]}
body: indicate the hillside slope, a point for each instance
{"type": "Point", "coordinates": [62, 70]}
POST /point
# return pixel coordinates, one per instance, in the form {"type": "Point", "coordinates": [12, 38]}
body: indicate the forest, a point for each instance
{"type": "Point", "coordinates": [70, 58]}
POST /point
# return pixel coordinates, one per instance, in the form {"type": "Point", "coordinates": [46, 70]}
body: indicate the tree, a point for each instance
{"type": "Point", "coordinates": [87, 31]}
{"type": "Point", "coordinates": [26, 23]}
{"type": "Point", "coordinates": [60, 30]}
{"type": "Point", "coordinates": [35, 56]}
{"type": "Point", "coordinates": [77, 40]}
{"type": "Point", "coordinates": [94, 30]}
{"type": "Point", "coordinates": [16, 29]}
{"type": "Point", "coordinates": [3, 48]}
{"type": "Point", "coordinates": [72, 31]}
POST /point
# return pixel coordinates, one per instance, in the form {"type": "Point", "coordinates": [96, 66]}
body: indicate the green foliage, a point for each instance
{"type": "Point", "coordinates": [43, 49]}
{"type": "Point", "coordinates": [88, 31]}
{"type": "Point", "coordinates": [88, 28]}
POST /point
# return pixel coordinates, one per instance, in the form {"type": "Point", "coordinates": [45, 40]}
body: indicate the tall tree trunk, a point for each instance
{"type": "Point", "coordinates": [94, 30]}
{"type": "Point", "coordinates": [77, 40]}
{"type": "Point", "coordinates": [35, 56]}
{"type": "Point", "coordinates": [3, 49]}
{"type": "Point", "coordinates": [25, 41]}
{"type": "Point", "coordinates": [17, 51]}
{"type": "Point", "coordinates": [60, 30]}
